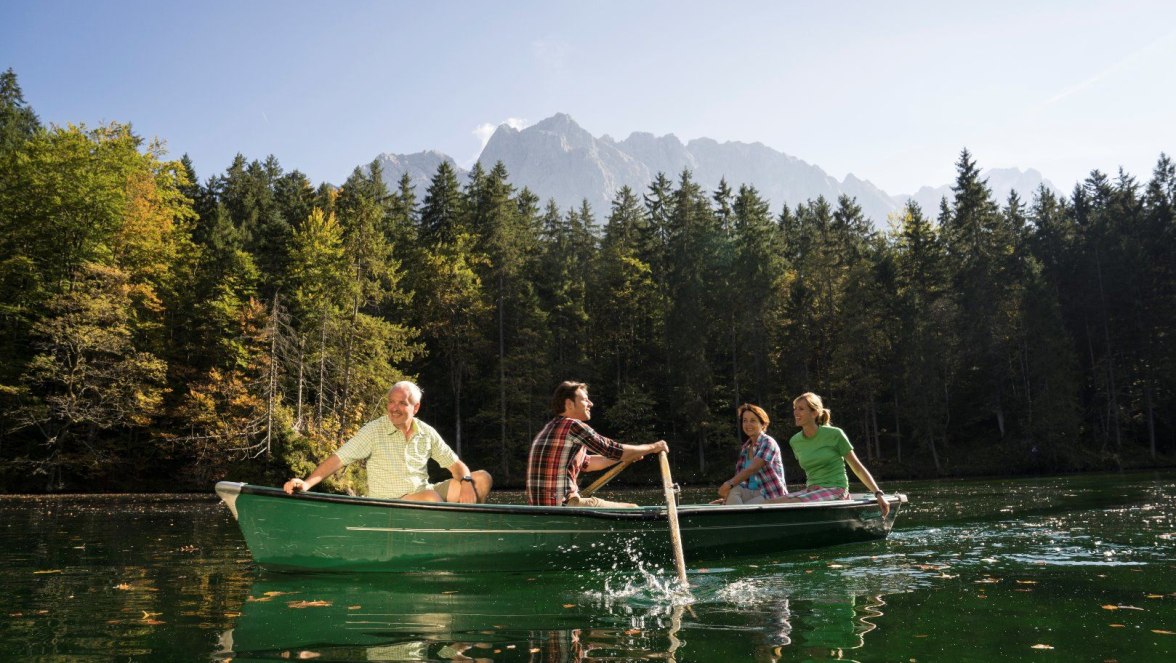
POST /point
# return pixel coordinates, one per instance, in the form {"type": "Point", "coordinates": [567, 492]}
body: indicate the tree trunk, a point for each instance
{"type": "Point", "coordinates": [343, 397]}
{"type": "Point", "coordinates": [897, 430]}
{"type": "Point", "coordinates": [502, 377]}
{"type": "Point", "coordinates": [273, 379]}
{"type": "Point", "coordinates": [1112, 388]}
{"type": "Point", "coordinates": [322, 386]}
{"type": "Point", "coordinates": [299, 424]}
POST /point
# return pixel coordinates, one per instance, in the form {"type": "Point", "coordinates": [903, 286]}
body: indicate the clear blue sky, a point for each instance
{"type": "Point", "coordinates": [888, 91]}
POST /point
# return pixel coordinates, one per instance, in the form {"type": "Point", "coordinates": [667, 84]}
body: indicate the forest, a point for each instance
{"type": "Point", "coordinates": [162, 329]}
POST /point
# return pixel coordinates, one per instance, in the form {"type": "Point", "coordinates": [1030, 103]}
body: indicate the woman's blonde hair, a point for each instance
{"type": "Point", "coordinates": [754, 409]}
{"type": "Point", "coordinates": [814, 403]}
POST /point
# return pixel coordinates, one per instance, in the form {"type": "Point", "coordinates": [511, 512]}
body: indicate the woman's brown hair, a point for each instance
{"type": "Point", "coordinates": [754, 409]}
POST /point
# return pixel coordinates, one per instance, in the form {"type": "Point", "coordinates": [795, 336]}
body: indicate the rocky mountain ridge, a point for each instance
{"type": "Point", "coordinates": [557, 159]}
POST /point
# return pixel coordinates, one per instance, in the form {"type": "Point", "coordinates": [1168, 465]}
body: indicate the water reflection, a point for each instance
{"type": "Point", "coordinates": [444, 617]}
{"type": "Point", "coordinates": [508, 617]}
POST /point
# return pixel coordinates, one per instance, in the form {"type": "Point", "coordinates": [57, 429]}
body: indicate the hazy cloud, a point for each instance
{"type": "Point", "coordinates": [551, 53]}
{"type": "Point", "coordinates": [1130, 60]}
{"type": "Point", "coordinates": [485, 131]}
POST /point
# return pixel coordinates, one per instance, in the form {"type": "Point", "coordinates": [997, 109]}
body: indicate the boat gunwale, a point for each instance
{"type": "Point", "coordinates": [650, 512]}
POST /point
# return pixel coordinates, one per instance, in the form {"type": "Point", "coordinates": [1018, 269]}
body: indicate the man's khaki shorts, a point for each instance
{"type": "Point", "coordinates": [443, 490]}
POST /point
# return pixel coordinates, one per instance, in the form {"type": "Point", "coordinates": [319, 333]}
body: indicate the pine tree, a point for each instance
{"type": "Point", "coordinates": [18, 122]}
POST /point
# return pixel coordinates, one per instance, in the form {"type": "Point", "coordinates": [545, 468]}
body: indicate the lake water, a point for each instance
{"type": "Point", "coordinates": [1058, 569]}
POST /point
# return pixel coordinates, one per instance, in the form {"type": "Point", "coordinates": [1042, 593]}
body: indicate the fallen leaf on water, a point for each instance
{"type": "Point", "coordinates": [633, 631]}
{"type": "Point", "coordinates": [1110, 607]}
{"type": "Point", "coordinates": [1041, 647]}
{"type": "Point", "coordinates": [232, 614]}
{"type": "Point", "coordinates": [42, 612]}
{"type": "Point", "coordinates": [354, 607]}
{"type": "Point", "coordinates": [535, 650]}
{"type": "Point", "coordinates": [1162, 631]}
{"type": "Point", "coordinates": [569, 605]}
{"type": "Point", "coordinates": [308, 654]}
{"type": "Point", "coordinates": [497, 651]}
{"type": "Point", "coordinates": [1118, 626]}
{"type": "Point", "coordinates": [308, 604]}
{"type": "Point", "coordinates": [37, 573]}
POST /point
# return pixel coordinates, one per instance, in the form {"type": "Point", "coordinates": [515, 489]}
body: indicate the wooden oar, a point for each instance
{"type": "Point", "coordinates": [672, 512]}
{"type": "Point", "coordinates": [605, 478]}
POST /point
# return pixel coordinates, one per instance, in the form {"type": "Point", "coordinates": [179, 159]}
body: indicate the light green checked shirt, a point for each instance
{"type": "Point", "coordinates": [396, 466]}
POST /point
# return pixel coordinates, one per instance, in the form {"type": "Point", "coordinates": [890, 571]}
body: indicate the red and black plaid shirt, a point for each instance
{"type": "Point", "coordinates": [558, 455]}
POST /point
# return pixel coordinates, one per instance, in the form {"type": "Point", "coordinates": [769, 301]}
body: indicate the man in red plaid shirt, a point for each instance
{"type": "Point", "coordinates": [562, 450]}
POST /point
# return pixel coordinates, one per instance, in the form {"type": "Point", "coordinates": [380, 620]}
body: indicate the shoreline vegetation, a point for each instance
{"type": "Point", "coordinates": [162, 331]}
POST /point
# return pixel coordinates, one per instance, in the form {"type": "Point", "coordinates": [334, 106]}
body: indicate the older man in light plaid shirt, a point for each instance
{"type": "Point", "coordinates": [397, 448]}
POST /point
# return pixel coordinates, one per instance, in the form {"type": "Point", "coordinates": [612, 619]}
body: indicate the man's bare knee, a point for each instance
{"type": "Point", "coordinates": [424, 496]}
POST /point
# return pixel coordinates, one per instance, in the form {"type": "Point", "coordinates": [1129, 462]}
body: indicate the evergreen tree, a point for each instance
{"type": "Point", "coordinates": [692, 320]}
{"type": "Point", "coordinates": [442, 214]}
{"type": "Point", "coordinates": [625, 310]}
{"type": "Point", "coordinates": [926, 343]}
{"type": "Point", "coordinates": [18, 122]}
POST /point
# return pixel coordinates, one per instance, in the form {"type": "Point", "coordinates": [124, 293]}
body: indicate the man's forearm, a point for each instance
{"type": "Point", "coordinates": [459, 470]}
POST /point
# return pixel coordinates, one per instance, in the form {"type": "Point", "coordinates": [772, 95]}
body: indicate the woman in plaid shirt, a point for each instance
{"type": "Point", "coordinates": [759, 472]}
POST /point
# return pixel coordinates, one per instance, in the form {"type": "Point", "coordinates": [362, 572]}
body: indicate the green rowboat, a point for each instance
{"type": "Point", "coordinates": [324, 532]}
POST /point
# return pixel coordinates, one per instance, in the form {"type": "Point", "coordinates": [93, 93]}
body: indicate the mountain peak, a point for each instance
{"type": "Point", "coordinates": [560, 122]}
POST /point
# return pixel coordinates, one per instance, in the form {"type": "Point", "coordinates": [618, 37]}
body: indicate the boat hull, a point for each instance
{"type": "Point", "coordinates": [321, 532]}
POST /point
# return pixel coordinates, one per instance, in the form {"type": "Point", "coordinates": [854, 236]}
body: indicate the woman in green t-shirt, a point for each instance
{"type": "Point", "coordinates": [823, 451]}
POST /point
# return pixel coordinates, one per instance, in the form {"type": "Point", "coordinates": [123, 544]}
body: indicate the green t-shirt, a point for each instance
{"type": "Point", "coordinates": [822, 457]}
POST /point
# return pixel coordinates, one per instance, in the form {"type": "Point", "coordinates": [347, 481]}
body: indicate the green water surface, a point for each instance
{"type": "Point", "coordinates": [1058, 569]}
